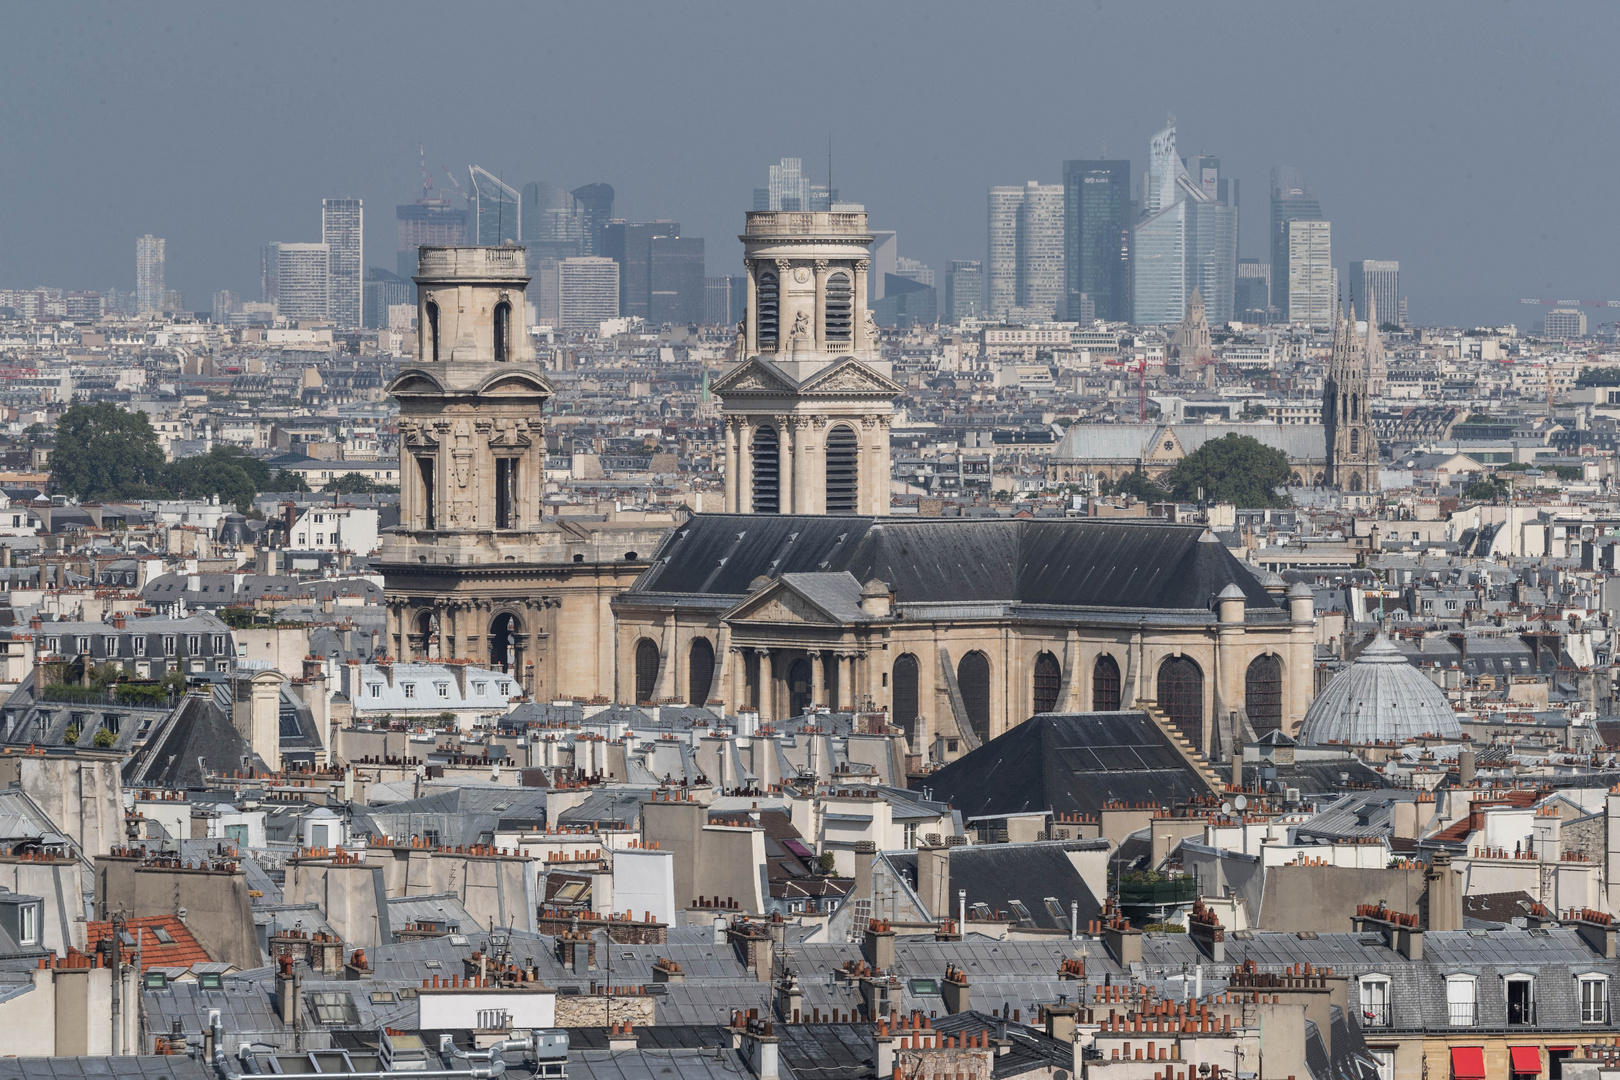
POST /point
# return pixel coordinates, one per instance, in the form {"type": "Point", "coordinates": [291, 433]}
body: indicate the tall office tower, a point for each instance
{"type": "Point", "coordinates": [915, 269]}
{"type": "Point", "coordinates": [630, 245]}
{"type": "Point", "coordinates": [149, 291]}
{"type": "Point", "coordinates": [301, 277]}
{"type": "Point", "coordinates": [496, 207]}
{"type": "Point", "coordinates": [587, 292]}
{"type": "Point", "coordinates": [81, 306]}
{"type": "Point", "coordinates": [1161, 266]}
{"type": "Point", "coordinates": [269, 255]}
{"type": "Point", "coordinates": [1312, 280]}
{"type": "Point", "coordinates": [384, 289]}
{"type": "Point", "coordinates": [1164, 170]}
{"type": "Point", "coordinates": [885, 260]}
{"type": "Point", "coordinates": [1187, 241]}
{"type": "Point", "coordinates": [595, 202]}
{"type": "Point", "coordinates": [342, 228]}
{"type": "Point", "coordinates": [1291, 200]}
{"type": "Point", "coordinates": [1564, 323]}
{"type": "Point", "coordinates": [718, 293]}
{"type": "Point", "coordinates": [1378, 279]}
{"type": "Point", "coordinates": [1096, 237]}
{"type": "Point", "coordinates": [553, 223]}
{"type": "Point", "coordinates": [225, 302]}
{"type": "Point", "coordinates": [428, 222]}
{"type": "Point", "coordinates": [675, 280]}
{"type": "Point", "coordinates": [1025, 256]}
{"type": "Point", "coordinates": [1252, 297]}
{"type": "Point", "coordinates": [964, 290]}
{"type": "Point", "coordinates": [787, 188]}
{"type": "Point", "coordinates": [821, 197]}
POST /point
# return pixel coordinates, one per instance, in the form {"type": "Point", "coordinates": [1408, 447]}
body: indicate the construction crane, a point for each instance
{"type": "Point", "coordinates": [1574, 303]}
{"type": "Point", "coordinates": [427, 177]}
{"type": "Point", "coordinates": [451, 174]}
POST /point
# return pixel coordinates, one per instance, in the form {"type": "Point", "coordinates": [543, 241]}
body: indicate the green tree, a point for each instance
{"type": "Point", "coordinates": [104, 452]}
{"type": "Point", "coordinates": [1137, 484]}
{"type": "Point", "coordinates": [354, 483]}
{"type": "Point", "coordinates": [287, 481]}
{"type": "Point", "coordinates": [1482, 490]}
{"type": "Point", "coordinates": [227, 471]}
{"type": "Point", "coordinates": [1238, 469]}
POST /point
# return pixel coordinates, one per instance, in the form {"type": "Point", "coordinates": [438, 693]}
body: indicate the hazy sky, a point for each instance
{"type": "Point", "coordinates": [1474, 142]}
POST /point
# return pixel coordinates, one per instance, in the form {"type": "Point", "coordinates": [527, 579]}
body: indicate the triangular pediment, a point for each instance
{"type": "Point", "coordinates": [753, 376]}
{"type": "Point", "coordinates": [778, 603]}
{"type": "Point", "coordinates": [849, 376]}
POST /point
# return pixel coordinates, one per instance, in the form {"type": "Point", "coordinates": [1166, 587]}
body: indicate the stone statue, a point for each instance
{"type": "Point", "coordinates": [872, 333]}
{"type": "Point", "coordinates": [800, 338]}
{"type": "Point", "coordinates": [742, 338]}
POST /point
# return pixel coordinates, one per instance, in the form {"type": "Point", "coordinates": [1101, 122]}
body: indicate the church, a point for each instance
{"type": "Point", "coordinates": [805, 593]}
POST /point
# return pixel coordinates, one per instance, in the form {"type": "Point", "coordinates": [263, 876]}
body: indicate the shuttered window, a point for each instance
{"type": "Point", "coordinates": [766, 466]}
{"type": "Point", "coordinates": [843, 470]}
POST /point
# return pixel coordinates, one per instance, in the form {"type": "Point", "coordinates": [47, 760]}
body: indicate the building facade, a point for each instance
{"type": "Point", "coordinates": [428, 222]}
{"type": "Point", "coordinates": [1311, 280]}
{"type": "Point", "coordinates": [1024, 260]}
{"type": "Point", "coordinates": [964, 290]}
{"type": "Point", "coordinates": [302, 272]}
{"type": "Point", "coordinates": [675, 267]}
{"type": "Point", "coordinates": [1290, 201]}
{"type": "Point", "coordinates": [497, 209]}
{"type": "Point", "coordinates": [630, 245]}
{"type": "Point", "coordinates": [587, 292]}
{"type": "Point", "coordinates": [807, 409]}
{"type": "Point", "coordinates": [342, 231]}
{"type": "Point", "coordinates": [473, 572]}
{"type": "Point", "coordinates": [1097, 237]}
{"type": "Point", "coordinates": [1352, 443]}
{"type": "Point", "coordinates": [149, 289]}
{"type": "Point", "coordinates": [1378, 281]}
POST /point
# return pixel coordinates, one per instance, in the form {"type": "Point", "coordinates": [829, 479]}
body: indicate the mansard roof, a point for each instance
{"type": "Point", "coordinates": [1065, 563]}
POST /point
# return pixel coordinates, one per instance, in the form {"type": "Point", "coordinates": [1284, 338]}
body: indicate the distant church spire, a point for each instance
{"type": "Point", "coordinates": [1377, 367]}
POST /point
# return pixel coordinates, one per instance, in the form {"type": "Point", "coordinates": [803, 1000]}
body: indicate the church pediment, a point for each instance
{"type": "Point", "coordinates": [780, 605]}
{"type": "Point", "coordinates": [849, 376]}
{"type": "Point", "coordinates": [753, 376]}
{"type": "Point", "coordinates": [1165, 445]}
{"type": "Point", "coordinates": [784, 602]}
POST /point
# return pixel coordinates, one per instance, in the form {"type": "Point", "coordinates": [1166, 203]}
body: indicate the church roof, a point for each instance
{"type": "Point", "coordinates": [1068, 763]}
{"type": "Point", "coordinates": [1093, 442]}
{"type": "Point", "coordinates": [1064, 562]}
{"type": "Point", "coordinates": [1379, 698]}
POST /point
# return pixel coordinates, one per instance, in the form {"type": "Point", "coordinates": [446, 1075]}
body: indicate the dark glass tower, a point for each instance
{"type": "Point", "coordinates": [1096, 236]}
{"type": "Point", "coordinates": [1290, 201]}
{"type": "Point", "coordinates": [596, 202]}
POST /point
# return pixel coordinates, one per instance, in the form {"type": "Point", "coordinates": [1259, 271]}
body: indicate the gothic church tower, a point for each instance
{"type": "Point", "coordinates": [1352, 448]}
{"type": "Point", "coordinates": [807, 407]}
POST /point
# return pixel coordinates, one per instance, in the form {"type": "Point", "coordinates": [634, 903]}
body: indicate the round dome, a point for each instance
{"type": "Point", "coordinates": [1379, 698]}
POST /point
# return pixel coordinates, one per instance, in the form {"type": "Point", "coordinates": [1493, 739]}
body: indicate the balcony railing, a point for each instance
{"type": "Point", "coordinates": [795, 222]}
{"type": "Point", "coordinates": [1375, 1014]}
{"type": "Point", "coordinates": [1461, 1013]}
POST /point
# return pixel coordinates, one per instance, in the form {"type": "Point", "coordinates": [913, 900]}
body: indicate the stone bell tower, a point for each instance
{"type": "Point", "coordinates": [471, 461]}
{"type": "Point", "coordinates": [807, 407]}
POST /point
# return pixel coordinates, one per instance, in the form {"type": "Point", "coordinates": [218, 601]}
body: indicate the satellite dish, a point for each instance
{"type": "Point", "coordinates": [1241, 802]}
{"type": "Point", "coordinates": [1226, 808]}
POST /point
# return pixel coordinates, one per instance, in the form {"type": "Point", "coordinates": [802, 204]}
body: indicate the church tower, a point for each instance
{"type": "Point", "coordinates": [807, 407]}
{"type": "Point", "coordinates": [1377, 365]}
{"type": "Point", "coordinates": [1352, 448]}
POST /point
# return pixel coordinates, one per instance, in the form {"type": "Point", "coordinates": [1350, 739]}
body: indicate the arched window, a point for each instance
{"type": "Point", "coordinates": [843, 470]}
{"type": "Point", "coordinates": [503, 330]}
{"type": "Point", "coordinates": [840, 307]}
{"type": "Point", "coordinates": [1262, 694]}
{"type": "Point", "coordinates": [973, 680]}
{"type": "Point", "coordinates": [427, 629]}
{"type": "Point", "coordinates": [1355, 481]}
{"type": "Point", "coordinates": [1048, 678]}
{"type": "Point", "coordinates": [1181, 696]}
{"type": "Point", "coordinates": [1355, 440]}
{"type": "Point", "coordinates": [646, 670]}
{"type": "Point", "coordinates": [767, 482]}
{"type": "Point", "coordinates": [699, 671]}
{"type": "Point", "coordinates": [503, 633]}
{"type": "Point", "coordinates": [1105, 685]}
{"type": "Point", "coordinates": [799, 697]}
{"type": "Point", "coordinates": [433, 330]}
{"type": "Point", "coordinates": [424, 467]}
{"type": "Point", "coordinates": [765, 296]}
{"type": "Point", "coordinates": [905, 697]}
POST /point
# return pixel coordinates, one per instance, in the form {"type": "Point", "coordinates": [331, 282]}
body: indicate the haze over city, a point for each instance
{"type": "Point", "coordinates": [1467, 142]}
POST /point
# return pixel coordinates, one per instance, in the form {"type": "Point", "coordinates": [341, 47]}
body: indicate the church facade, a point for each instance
{"type": "Point", "coordinates": [1352, 442]}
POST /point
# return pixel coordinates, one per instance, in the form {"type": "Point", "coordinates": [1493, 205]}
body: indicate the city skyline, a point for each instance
{"type": "Point", "coordinates": [1404, 182]}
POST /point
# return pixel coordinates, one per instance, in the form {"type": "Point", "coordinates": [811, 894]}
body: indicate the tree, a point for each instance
{"type": "Point", "coordinates": [1137, 484]}
{"type": "Point", "coordinates": [104, 452]}
{"type": "Point", "coordinates": [227, 471]}
{"type": "Point", "coordinates": [288, 481]}
{"type": "Point", "coordinates": [354, 483]}
{"type": "Point", "coordinates": [1482, 490]}
{"type": "Point", "coordinates": [1238, 469]}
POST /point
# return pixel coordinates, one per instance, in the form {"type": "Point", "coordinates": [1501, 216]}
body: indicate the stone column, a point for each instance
{"type": "Point", "coordinates": [816, 466]}
{"type": "Point", "coordinates": [821, 305]}
{"type": "Point", "coordinates": [883, 468]}
{"type": "Point", "coordinates": [739, 681]}
{"type": "Point", "coordinates": [732, 462]}
{"type": "Point", "coordinates": [868, 456]}
{"type": "Point", "coordinates": [860, 340]}
{"type": "Point", "coordinates": [745, 465]}
{"type": "Point", "coordinates": [751, 316]}
{"type": "Point", "coordinates": [818, 677]}
{"type": "Point", "coordinates": [668, 686]}
{"type": "Point", "coordinates": [846, 680]}
{"type": "Point", "coordinates": [767, 687]}
{"type": "Point", "coordinates": [804, 473]}
{"type": "Point", "coordinates": [785, 462]}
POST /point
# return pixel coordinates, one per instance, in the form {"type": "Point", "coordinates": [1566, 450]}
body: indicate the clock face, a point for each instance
{"type": "Point", "coordinates": [801, 275]}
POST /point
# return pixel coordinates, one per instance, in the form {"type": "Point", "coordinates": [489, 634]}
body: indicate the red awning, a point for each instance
{"type": "Point", "coordinates": [1468, 1063]}
{"type": "Point", "coordinates": [1526, 1060]}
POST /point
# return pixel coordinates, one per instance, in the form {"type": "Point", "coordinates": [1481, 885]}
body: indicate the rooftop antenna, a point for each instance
{"type": "Point", "coordinates": [829, 171]}
{"type": "Point", "coordinates": [427, 177]}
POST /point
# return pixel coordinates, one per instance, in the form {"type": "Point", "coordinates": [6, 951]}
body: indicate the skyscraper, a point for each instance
{"type": "Point", "coordinates": [428, 222]}
{"type": "Point", "coordinates": [1252, 299]}
{"type": "Point", "coordinates": [1025, 251]}
{"type": "Point", "coordinates": [383, 290]}
{"type": "Point", "coordinates": [722, 298]}
{"type": "Point", "coordinates": [964, 290]}
{"type": "Point", "coordinates": [675, 280]}
{"type": "Point", "coordinates": [1096, 237]}
{"type": "Point", "coordinates": [1188, 242]}
{"type": "Point", "coordinates": [301, 274]}
{"type": "Point", "coordinates": [787, 188]}
{"type": "Point", "coordinates": [497, 209]}
{"type": "Point", "coordinates": [269, 255]}
{"type": "Point", "coordinates": [1312, 284]}
{"type": "Point", "coordinates": [1380, 280]}
{"type": "Point", "coordinates": [149, 290]}
{"type": "Point", "coordinates": [553, 222]}
{"type": "Point", "coordinates": [1291, 200]}
{"type": "Point", "coordinates": [595, 202]}
{"type": "Point", "coordinates": [587, 292]}
{"type": "Point", "coordinates": [342, 228]}
{"type": "Point", "coordinates": [629, 244]}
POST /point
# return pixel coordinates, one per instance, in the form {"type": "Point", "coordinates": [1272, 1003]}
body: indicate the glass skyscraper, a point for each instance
{"type": "Point", "coordinates": [1291, 200]}
{"type": "Point", "coordinates": [497, 209]}
{"type": "Point", "coordinates": [964, 290]}
{"type": "Point", "coordinates": [1025, 256]}
{"type": "Point", "coordinates": [1096, 237]}
{"type": "Point", "coordinates": [342, 229]}
{"type": "Point", "coordinates": [1187, 240]}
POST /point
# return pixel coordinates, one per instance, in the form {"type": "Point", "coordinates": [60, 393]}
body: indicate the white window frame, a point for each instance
{"type": "Point", "coordinates": [219, 644]}
{"type": "Point", "coordinates": [1520, 977]}
{"type": "Point", "coordinates": [168, 644]}
{"type": "Point", "coordinates": [1385, 1057]}
{"type": "Point", "coordinates": [1462, 1013]}
{"type": "Point", "coordinates": [28, 924]}
{"type": "Point", "coordinates": [376, 689]}
{"type": "Point", "coordinates": [443, 688]}
{"type": "Point", "coordinates": [409, 688]}
{"type": "Point", "coordinates": [139, 643]}
{"type": "Point", "coordinates": [193, 644]}
{"type": "Point", "coordinates": [1377, 984]}
{"type": "Point", "coordinates": [83, 643]}
{"type": "Point", "coordinates": [1599, 1015]}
